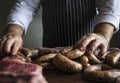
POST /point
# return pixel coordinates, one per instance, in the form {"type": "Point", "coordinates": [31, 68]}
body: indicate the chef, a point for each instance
{"type": "Point", "coordinates": [85, 24]}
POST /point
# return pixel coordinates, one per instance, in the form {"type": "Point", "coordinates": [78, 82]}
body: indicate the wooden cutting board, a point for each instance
{"type": "Point", "coordinates": [56, 76]}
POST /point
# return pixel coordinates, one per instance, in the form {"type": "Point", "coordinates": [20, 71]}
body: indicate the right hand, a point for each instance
{"type": "Point", "coordinates": [11, 40]}
{"type": "Point", "coordinates": [10, 43]}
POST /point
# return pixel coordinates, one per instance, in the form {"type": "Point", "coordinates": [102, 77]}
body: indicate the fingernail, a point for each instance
{"type": "Point", "coordinates": [82, 48]}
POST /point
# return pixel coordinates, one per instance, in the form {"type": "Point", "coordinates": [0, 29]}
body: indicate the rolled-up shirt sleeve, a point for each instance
{"type": "Point", "coordinates": [108, 11]}
{"type": "Point", "coordinates": [23, 12]}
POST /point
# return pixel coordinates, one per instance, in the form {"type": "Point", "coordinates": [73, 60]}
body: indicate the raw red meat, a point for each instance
{"type": "Point", "coordinates": [14, 70]}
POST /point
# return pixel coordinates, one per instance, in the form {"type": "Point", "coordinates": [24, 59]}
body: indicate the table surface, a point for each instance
{"type": "Point", "coordinates": [56, 76]}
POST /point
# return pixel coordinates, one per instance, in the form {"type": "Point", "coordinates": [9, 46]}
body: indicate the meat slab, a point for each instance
{"type": "Point", "coordinates": [14, 70]}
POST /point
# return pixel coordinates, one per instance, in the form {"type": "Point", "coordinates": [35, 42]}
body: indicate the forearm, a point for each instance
{"type": "Point", "coordinates": [108, 12]}
{"type": "Point", "coordinates": [105, 29]}
{"type": "Point", "coordinates": [23, 12]}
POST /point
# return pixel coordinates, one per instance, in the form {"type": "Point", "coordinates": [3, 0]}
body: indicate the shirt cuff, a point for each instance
{"type": "Point", "coordinates": [18, 23]}
{"type": "Point", "coordinates": [108, 18]}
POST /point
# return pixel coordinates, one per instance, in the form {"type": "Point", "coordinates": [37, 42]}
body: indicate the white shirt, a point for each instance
{"type": "Point", "coordinates": [24, 11]}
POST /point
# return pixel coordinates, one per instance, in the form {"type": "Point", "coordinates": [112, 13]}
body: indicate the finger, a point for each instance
{"type": "Point", "coordinates": [87, 41]}
{"type": "Point", "coordinates": [77, 45]}
{"type": "Point", "coordinates": [80, 43]}
{"type": "Point", "coordinates": [2, 43]}
{"type": "Point", "coordinates": [8, 45]}
{"type": "Point", "coordinates": [103, 49]}
{"type": "Point", "coordinates": [93, 46]}
{"type": "Point", "coordinates": [15, 48]}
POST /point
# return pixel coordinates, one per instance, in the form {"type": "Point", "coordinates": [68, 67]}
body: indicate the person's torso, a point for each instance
{"type": "Point", "coordinates": [66, 21]}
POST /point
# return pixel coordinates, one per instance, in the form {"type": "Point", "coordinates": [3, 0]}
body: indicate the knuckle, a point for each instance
{"type": "Point", "coordinates": [84, 37]}
{"type": "Point", "coordinates": [17, 44]}
{"type": "Point", "coordinates": [92, 34]}
{"type": "Point", "coordinates": [8, 41]}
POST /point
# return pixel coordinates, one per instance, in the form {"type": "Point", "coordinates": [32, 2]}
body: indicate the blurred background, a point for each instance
{"type": "Point", "coordinates": [33, 38]}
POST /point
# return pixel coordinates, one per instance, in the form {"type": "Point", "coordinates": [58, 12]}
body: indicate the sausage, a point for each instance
{"type": "Point", "coordinates": [103, 56]}
{"type": "Point", "coordinates": [23, 57]}
{"type": "Point", "coordinates": [63, 50]}
{"type": "Point", "coordinates": [45, 58]}
{"type": "Point", "coordinates": [113, 58]}
{"type": "Point", "coordinates": [35, 53]}
{"type": "Point", "coordinates": [45, 51]}
{"type": "Point", "coordinates": [109, 52]}
{"type": "Point", "coordinates": [93, 59]}
{"type": "Point", "coordinates": [74, 54]}
{"type": "Point", "coordinates": [84, 61]}
{"type": "Point", "coordinates": [66, 65]}
{"type": "Point", "coordinates": [102, 73]}
{"type": "Point", "coordinates": [25, 51]}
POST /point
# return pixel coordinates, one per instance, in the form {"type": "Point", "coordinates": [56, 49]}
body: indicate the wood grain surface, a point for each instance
{"type": "Point", "coordinates": [56, 76]}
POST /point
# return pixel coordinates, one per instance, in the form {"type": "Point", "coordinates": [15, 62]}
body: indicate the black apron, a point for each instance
{"type": "Point", "coordinates": [66, 21]}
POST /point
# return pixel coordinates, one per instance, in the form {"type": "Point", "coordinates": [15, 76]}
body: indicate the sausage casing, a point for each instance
{"type": "Point", "coordinates": [67, 65]}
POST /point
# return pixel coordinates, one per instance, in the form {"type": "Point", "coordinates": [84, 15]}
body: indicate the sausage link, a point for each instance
{"type": "Point", "coordinates": [23, 57]}
{"type": "Point", "coordinates": [84, 61]}
{"type": "Point", "coordinates": [45, 58]}
{"type": "Point", "coordinates": [25, 51]}
{"type": "Point", "coordinates": [74, 54]}
{"type": "Point", "coordinates": [93, 59]}
{"type": "Point", "coordinates": [102, 73]}
{"type": "Point", "coordinates": [63, 50]}
{"type": "Point", "coordinates": [113, 58]}
{"type": "Point", "coordinates": [66, 65]}
{"type": "Point", "coordinates": [45, 51]}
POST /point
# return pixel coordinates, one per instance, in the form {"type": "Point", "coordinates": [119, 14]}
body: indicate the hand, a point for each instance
{"type": "Point", "coordinates": [10, 43]}
{"type": "Point", "coordinates": [12, 39]}
{"type": "Point", "coordinates": [92, 42]}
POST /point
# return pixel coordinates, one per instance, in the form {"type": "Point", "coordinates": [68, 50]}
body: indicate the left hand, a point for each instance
{"type": "Point", "coordinates": [92, 42]}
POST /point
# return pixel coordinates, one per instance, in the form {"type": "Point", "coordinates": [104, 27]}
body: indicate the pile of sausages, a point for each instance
{"type": "Point", "coordinates": [70, 60]}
